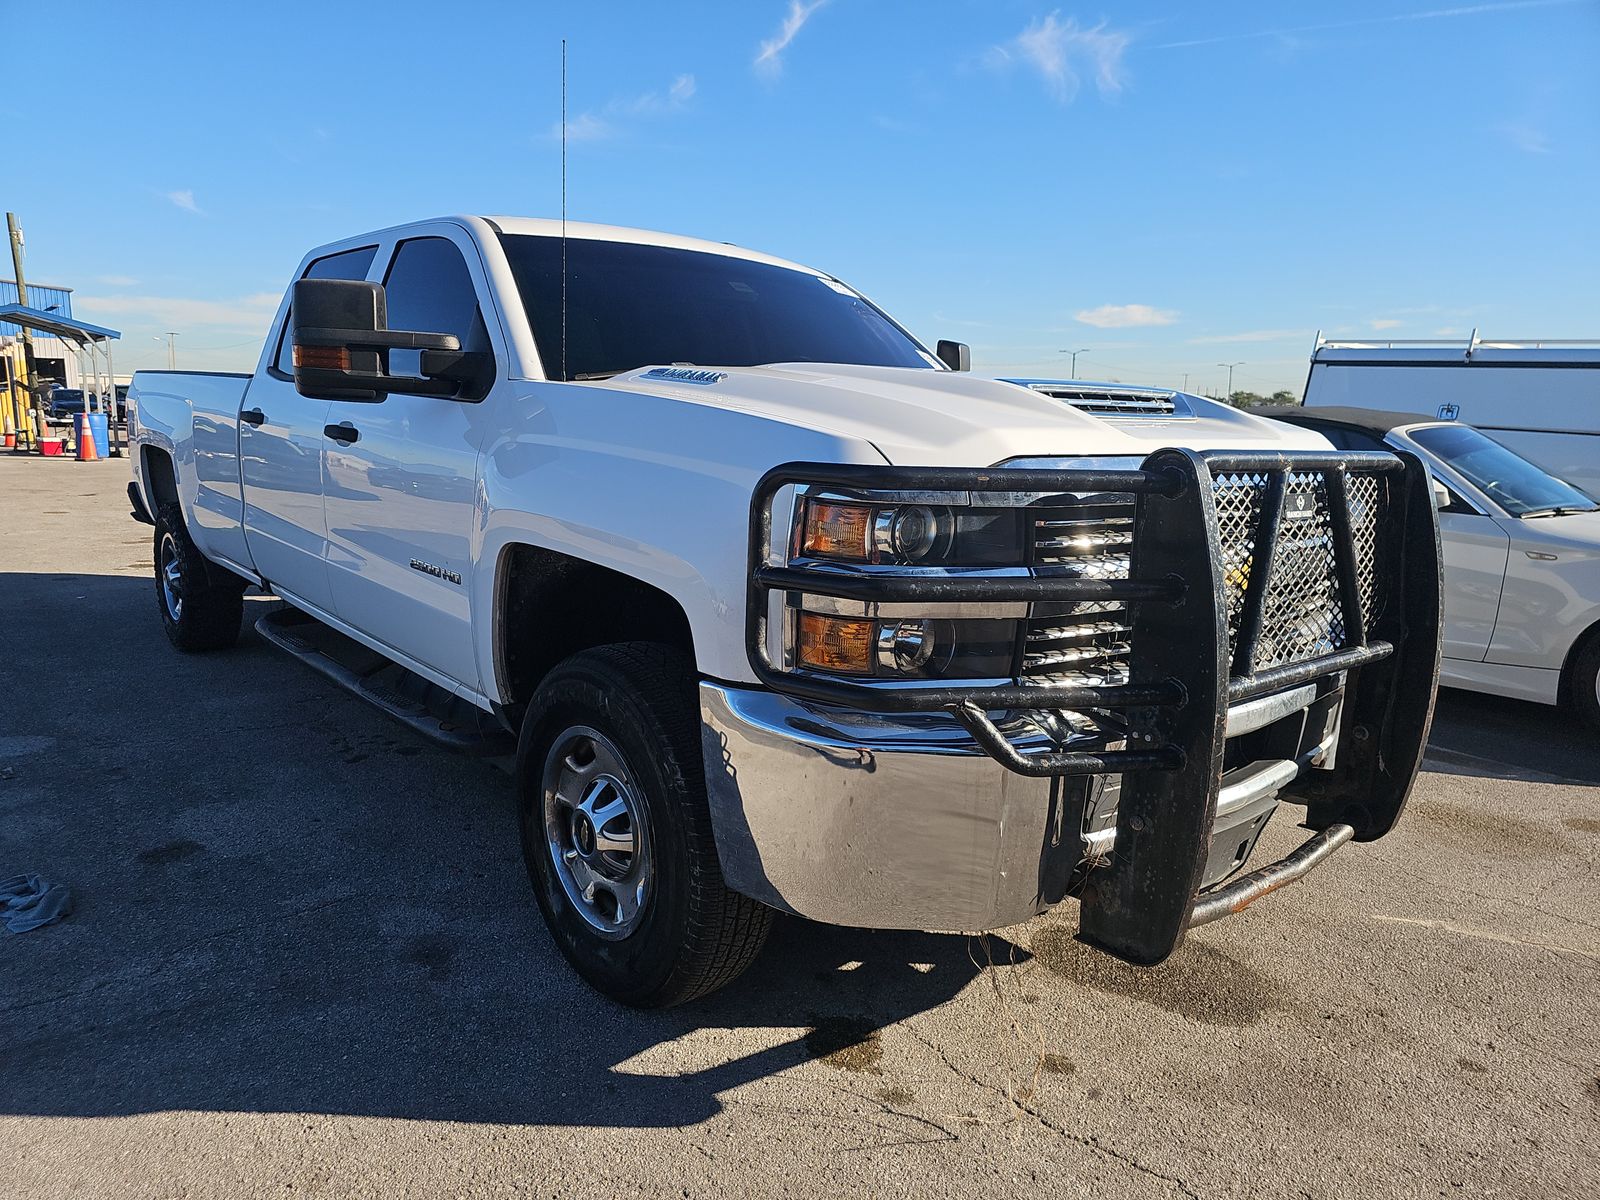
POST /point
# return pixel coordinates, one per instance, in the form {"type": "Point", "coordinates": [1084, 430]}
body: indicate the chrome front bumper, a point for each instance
{"type": "Point", "coordinates": [905, 822]}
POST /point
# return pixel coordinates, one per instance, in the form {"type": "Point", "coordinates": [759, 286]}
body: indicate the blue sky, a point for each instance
{"type": "Point", "coordinates": [1168, 185]}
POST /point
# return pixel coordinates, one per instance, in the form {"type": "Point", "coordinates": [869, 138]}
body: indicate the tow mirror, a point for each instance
{"type": "Point", "coordinates": [955, 355]}
{"type": "Point", "coordinates": [1441, 495]}
{"type": "Point", "coordinates": [341, 342]}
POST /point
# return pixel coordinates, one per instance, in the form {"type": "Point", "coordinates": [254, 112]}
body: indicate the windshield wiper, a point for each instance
{"type": "Point", "coordinates": [1559, 510]}
{"type": "Point", "coordinates": [585, 376]}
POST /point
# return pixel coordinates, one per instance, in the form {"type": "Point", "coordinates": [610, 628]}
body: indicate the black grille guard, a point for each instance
{"type": "Point", "coordinates": [1185, 668]}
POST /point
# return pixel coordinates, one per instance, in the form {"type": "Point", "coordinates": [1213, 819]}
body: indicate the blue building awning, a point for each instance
{"type": "Point", "coordinates": [52, 324]}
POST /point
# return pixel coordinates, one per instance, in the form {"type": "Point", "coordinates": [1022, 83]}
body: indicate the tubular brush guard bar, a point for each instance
{"type": "Point", "coordinates": [1213, 623]}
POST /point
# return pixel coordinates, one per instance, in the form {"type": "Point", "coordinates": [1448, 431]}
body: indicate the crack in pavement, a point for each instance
{"type": "Point", "coordinates": [1088, 1141]}
{"type": "Point", "coordinates": [1485, 934]}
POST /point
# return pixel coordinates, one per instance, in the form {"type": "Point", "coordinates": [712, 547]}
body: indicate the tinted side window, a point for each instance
{"type": "Point", "coordinates": [348, 264]}
{"type": "Point", "coordinates": [430, 291]}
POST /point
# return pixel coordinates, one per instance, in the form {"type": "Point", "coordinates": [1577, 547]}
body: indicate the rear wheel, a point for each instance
{"type": "Point", "coordinates": [1583, 680]}
{"type": "Point", "coordinates": [201, 605]}
{"type": "Point", "coordinates": [616, 830]}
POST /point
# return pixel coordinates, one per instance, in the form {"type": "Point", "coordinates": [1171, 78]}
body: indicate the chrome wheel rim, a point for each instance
{"type": "Point", "coordinates": [171, 576]}
{"type": "Point", "coordinates": [595, 831]}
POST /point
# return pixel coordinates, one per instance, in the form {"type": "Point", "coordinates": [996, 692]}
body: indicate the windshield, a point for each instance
{"type": "Point", "coordinates": [630, 305]}
{"type": "Point", "coordinates": [1510, 480]}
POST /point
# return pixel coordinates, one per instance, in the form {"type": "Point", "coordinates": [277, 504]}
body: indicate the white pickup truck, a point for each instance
{"type": "Point", "coordinates": [781, 611]}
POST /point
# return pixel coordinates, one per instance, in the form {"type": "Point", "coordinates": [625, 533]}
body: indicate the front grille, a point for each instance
{"type": "Point", "coordinates": [1113, 401]}
{"type": "Point", "coordinates": [1084, 644]}
{"type": "Point", "coordinates": [1087, 644]}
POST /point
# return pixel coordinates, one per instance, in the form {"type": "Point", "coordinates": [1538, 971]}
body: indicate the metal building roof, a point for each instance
{"type": "Point", "coordinates": [40, 295]}
{"type": "Point", "coordinates": [55, 324]}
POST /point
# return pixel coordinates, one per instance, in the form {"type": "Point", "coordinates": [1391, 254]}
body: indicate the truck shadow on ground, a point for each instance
{"type": "Point", "coordinates": [286, 903]}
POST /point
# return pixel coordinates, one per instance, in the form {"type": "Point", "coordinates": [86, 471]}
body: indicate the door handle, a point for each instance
{"type": "Point", "coordinates": [344, 433]}
{"type": "Point", "coordinates": [253, 416]}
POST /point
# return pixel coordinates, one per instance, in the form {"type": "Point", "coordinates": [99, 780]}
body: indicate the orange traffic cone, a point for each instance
{"type": "Point", "coordinates": [86, 450]}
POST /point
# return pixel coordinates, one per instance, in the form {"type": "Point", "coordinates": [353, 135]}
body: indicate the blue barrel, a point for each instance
{"type": "Point", "coordinates": [93, 425]}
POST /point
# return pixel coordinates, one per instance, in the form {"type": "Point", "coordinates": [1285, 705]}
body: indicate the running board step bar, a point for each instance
{"type": "Point", "coordinates": [422, 706]}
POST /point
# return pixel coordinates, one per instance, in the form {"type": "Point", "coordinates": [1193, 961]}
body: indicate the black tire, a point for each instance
{"type": "Point", "coordinates": [206, 603]}
{"type": "Point", "coordinates": [691, 934]}
{"type": "Point", "coordinates": [1583, 680]}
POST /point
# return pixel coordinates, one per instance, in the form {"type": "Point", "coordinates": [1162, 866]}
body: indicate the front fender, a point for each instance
{"type": "Point", "coordinates": [652, 487]}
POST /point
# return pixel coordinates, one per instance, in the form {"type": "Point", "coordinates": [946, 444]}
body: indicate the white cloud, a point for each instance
{"type": "Point", "coordinates": [1433, 14]}
{"type": "Point", "coordinates": [253, 312]}
{"type": "Point", "coordinates": [1524, 137]}
{"type": "Point", "coordinates": [769, 58]}
{"type": "Point", "coordinates": [117, 280]}
{"type": "Point", "coordinates": [1250, 335]}
{"type": "Point", "coordinates": [184, 199]}
{"type": "Point", "coordinates": [597, 125]}
{"type": "Point", "coordinates": [1125, 316]}
{"type": "Point", "coordinates": [585, 127]}
{"type": "Point", "coordinates": [652, 103]}
{"type": "Point", "coordinates": [1062, 52]}
{"type": "Point", "coordinates": [1385, 322]}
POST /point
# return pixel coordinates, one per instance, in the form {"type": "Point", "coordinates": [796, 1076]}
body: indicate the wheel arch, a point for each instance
{"type": "Point", "coordinates": [159, 476]}
{"type": "Point", "coordinates": [1588, 637]}
{"type": "Point", "coordinates": [549, 605]}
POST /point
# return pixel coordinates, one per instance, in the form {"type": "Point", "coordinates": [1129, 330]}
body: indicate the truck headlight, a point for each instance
{"type": "Point", "coordinates": [910, 534]}
{"type": "Point", "coordinates": [906, 648]}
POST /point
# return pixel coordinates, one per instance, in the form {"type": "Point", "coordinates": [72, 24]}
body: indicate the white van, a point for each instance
{"type": "Point", "coordinates": [1540, 398]}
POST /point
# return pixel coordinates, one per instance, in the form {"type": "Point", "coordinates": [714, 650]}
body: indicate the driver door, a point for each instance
{"type": "Point", "coordinates": [402, 474]}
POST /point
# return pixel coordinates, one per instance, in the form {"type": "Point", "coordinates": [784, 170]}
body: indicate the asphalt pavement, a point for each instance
{"type": "Point", "coordinates": [305, 961]}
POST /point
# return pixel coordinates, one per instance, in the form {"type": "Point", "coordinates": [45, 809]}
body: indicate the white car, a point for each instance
{"type": "Point", "coordinates": [779, 609]}
{"type": "Point", "coordinates": [1521, 558]}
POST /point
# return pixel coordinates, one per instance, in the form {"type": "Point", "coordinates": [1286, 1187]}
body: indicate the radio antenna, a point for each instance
{"type": "Point", "coordinates": [563, 208]}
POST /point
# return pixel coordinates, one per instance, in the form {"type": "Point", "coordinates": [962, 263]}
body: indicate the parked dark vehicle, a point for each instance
{"type": "Point", "coordinates": [65, 403]}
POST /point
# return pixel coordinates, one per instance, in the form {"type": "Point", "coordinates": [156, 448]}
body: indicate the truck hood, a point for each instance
{"type": "Point", "coordinates": [920, 417]}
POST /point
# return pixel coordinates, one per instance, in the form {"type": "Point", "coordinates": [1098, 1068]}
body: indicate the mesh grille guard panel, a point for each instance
{"type": "Point", "coordinates": [1302, 614]}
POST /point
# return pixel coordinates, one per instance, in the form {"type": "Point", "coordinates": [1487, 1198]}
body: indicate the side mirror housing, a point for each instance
{"type": "Point", "coordinates": [341, 342]}
{"type": "Point", "coordinates": [1441, 495]}
{"type": "Point", "coordinates": [955, 355]}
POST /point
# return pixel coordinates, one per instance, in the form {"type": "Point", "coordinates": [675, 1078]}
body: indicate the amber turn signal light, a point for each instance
{"type": "Point", "coordinates": [835, 644]}
{"type": "Point", "coordinates": [332, 358]}
{"type": "Point", "coordinates": [837, 531]}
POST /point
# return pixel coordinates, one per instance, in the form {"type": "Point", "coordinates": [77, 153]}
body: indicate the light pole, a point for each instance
{"type": "Point", "coordinates": [1075, 353]}
{"type": "Point", "coordinates": [1229, 396]}
{"type": "Point", "coordinates": [172, 350]}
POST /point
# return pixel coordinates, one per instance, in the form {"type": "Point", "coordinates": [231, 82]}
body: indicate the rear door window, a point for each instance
{"type": "Point", "coordinates": [347, 264]}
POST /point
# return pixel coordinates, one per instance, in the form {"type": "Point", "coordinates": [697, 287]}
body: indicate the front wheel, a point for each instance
{"type": "Point", "coordinates": [1583, 680]}
{"type": "Point", "coordinates": [616, 831]}
{"type": "Point", "coordinates": [201, 605]}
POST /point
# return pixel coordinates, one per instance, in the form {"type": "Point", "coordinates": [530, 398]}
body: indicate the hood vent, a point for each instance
{"type": "Point", "coordinates": [1104, 401]}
